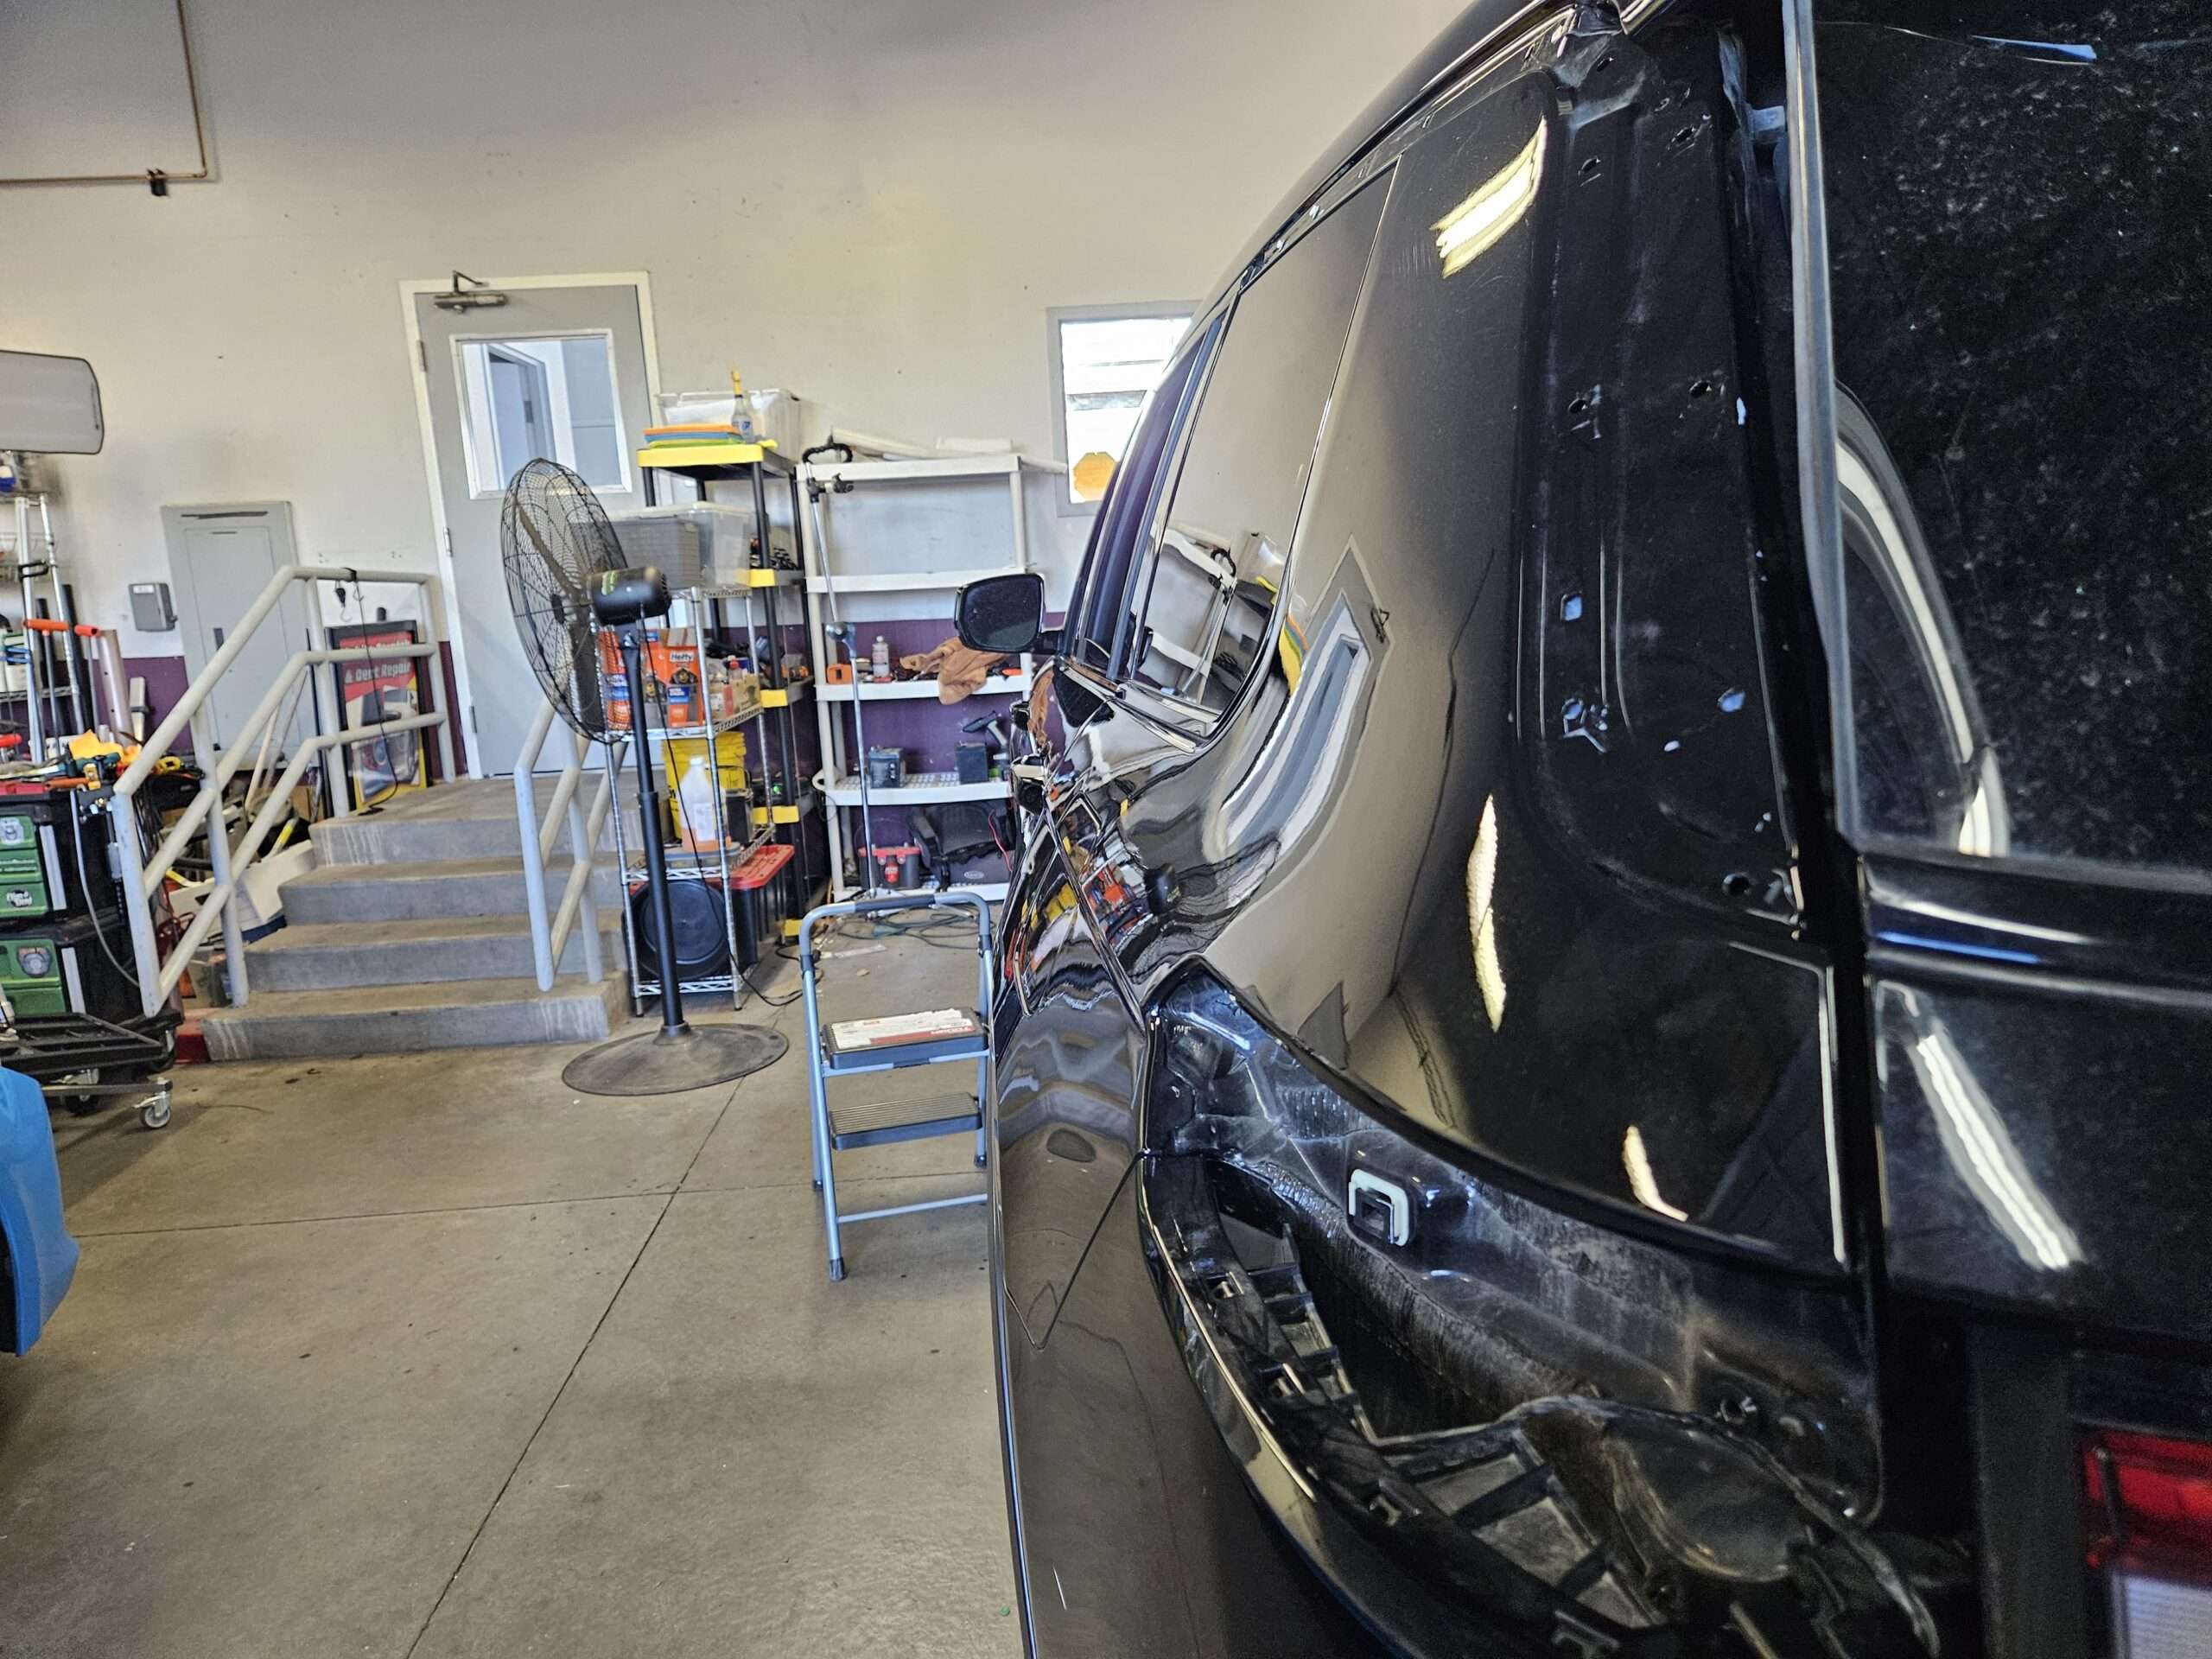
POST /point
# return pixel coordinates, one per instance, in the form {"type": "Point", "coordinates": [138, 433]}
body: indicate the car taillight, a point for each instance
{"type": "Point", "coordinates": [2147, 1516]}
{"type": "Point", "coordinates": [2149, 1501]}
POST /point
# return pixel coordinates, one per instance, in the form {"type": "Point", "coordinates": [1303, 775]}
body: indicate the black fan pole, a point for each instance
{"type": "Point", "coordinates": [649, 817]}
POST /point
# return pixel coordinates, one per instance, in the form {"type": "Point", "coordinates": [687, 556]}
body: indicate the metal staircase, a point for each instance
{"type": "Point", "coordinates": [438, 919]}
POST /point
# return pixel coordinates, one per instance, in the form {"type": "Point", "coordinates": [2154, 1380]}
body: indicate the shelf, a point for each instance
{"type": "Point", "coordinates": [684, 863]}
{"type": "Point", "coordinates": [783, 813]}
{"type": "Point", "coordinates": [759, 576]}
{"type": "Point", "coordinates": [999, 465]}
{"type": "Point", "coordinates": [744, 716]}
{"type": "Point", "coordinates": [645, 990]}
{"type": "Point", "coordinates": [1015, 685]}
{"type": "Point", "coordinates": [1206, 567]}
{"type": "Point", "coordinates": [673, 457]}
{"type": "Point", "coordinates": [1175, 653]}
{"type": "Point", "coordinates": [907, 581]}
{"type": "Point", "coordinates": [920, 789]}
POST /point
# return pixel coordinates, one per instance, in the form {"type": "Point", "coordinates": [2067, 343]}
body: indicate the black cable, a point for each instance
{"type": "Point", "coordinates": [383, 739]}
{"type": "Point", "coordinates": [772, 1001]}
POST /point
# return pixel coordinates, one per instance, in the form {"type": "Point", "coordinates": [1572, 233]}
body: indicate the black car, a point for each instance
{"type": "Point", "coordinates": [1604, 1039]}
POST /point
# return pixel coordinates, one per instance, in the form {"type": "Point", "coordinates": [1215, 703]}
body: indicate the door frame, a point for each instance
{"type": "Point", "coordinates": [418, 371]}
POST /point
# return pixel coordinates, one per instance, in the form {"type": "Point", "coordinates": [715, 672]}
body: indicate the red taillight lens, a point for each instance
{"type": "Point", "coordinates": [2148, 1502]}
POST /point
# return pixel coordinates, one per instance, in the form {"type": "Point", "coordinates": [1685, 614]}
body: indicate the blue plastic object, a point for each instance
{"type": "Point", "coordinates": [41, 1256]}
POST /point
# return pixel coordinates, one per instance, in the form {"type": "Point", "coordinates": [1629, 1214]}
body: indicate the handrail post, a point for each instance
{"type": "Point", "coordinates": [334, 787]}
{"type": "Point", "coordinates": [123, 829]}
{"type": "Point", "coordinates": [533, 859]}
{"type": "Point", "coordinates": [219, 867]}
{"type": "Point", "coordinates": [433, 669]}
{"type": "Point", "coordinates": [580, 840]}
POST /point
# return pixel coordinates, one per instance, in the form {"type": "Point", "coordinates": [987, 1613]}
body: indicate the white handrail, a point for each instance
{"type": "Point", "coordinates": [141, 876]}
{"type": "Point", "coordinates": [548, 938]}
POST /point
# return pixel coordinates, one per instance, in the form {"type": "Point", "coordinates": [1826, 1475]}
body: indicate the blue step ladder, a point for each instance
{"type": "Point", "coordinates": [893, 1043]}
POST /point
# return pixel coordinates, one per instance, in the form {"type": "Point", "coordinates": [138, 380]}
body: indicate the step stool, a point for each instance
{"type": "Point", "coordinates": [854, 1047]}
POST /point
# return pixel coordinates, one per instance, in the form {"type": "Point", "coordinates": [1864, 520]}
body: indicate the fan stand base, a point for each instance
{"type": "Point", "coordinates": [670, 1062]}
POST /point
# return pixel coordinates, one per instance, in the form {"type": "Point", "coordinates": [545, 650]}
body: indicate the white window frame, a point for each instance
{"type": "Point", "coordinates": [1054, 316]}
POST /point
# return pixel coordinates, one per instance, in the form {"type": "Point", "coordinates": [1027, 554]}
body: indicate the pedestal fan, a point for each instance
{"type": "Point", "coordinates": [567, 581]}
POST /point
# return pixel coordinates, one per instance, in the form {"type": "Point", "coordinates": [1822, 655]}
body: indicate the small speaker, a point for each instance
{"type": "Point", "coordinates": [699, 913]}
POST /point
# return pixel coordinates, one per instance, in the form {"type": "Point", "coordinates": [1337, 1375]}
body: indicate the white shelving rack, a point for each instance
{"type": "Point", "coordinates": [834, 571]}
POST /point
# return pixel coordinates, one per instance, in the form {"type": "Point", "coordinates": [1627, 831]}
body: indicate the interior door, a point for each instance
{"type": "Point", "coordinates": [553, 374]}
{"type": "Point", "coordinates": [221, 559]}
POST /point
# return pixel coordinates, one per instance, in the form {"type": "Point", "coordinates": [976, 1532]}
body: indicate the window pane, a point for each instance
{"type": "Point", "coordinates": [1212, 591]}
{"type": "Point", "coordinates": [1107, 365]}
{"type": "Point", "coordinates": [1102, 595]}
{"type": "Point", "coordinates": [595, 425]}
{"type": "Point", "coordinates": [2020, 268]}
{"type": "Point", "coordinates": [541, 399]}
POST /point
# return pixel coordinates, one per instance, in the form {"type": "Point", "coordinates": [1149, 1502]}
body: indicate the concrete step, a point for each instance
{"type": "Point", "coordinates": [473, 817]}
{"type": "Point", "coordinates": [402, 1018]}
{"type": "Point", "coordinates": [433, 887]}
{"type": "Point", "coordinates": [331, 956]}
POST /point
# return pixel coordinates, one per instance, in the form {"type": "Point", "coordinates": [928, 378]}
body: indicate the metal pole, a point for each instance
{"type": "Point", "coordinates": [33, 685]}
{"type": "Point", "coordinates": [790, 729]}
{"type": "Point", "coordinates": [580, 842]}
{"type": "Point", "coordinates": [218, 867]}
{"type": "Point", "coordinates": [825, 1180]}
{"type": "Point", "coordinates": [649, 819]}
{"type": "Point", "coordinates": [122, 825]}
{"type": "Point", "coordinates": [533, 865]}
{"type": "Point", "coordinates": [71, 648]}
{"type": "Point", "coordinates": [844, 630]}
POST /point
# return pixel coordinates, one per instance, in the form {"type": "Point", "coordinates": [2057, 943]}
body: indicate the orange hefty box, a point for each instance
{"type": "Point", "coordinates": [672, 673]}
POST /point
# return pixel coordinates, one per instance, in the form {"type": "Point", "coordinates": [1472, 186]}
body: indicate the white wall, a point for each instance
{"type": "Point", "coordinates": [870, 201]}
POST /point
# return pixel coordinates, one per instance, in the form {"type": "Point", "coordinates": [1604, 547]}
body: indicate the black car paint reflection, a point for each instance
{"type": "Point", "coordinates": [1495, 863]}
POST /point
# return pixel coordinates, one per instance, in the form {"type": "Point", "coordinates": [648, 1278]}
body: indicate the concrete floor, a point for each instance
{"type": "Point", "coordinates": [426, 1355]}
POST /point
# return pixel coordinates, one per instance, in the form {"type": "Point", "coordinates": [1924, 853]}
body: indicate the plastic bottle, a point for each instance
{"type": "Point", "coordinates": [881, 667]}
{"type": "Point", "coordinates": [694, 798]}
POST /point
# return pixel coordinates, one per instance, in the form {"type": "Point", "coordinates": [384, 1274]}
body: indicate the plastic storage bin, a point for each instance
{"type": "Point", "coordinates": [718, 548]}
{"type": "Point", "coordinates": [765, 889]}
{"type": "Point", "coordinates": [662, 536]}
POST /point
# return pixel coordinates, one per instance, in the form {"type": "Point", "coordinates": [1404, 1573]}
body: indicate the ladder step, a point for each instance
{"type": "Point", "coordinates": [878, 1123]}
{"type": "Point", "coordinates": [906, 1055]}
{"type": "Point", "coordinates": [892, 1041]}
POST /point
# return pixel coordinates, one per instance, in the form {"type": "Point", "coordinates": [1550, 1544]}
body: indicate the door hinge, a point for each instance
{"type": "Point", "coordinates": [471, 717]}
{"type": "Point", "coordinates": [423, 356]}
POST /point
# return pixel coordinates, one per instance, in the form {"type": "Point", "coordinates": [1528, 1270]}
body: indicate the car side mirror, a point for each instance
{"type": "Point", "coordinates": [1004, 614]}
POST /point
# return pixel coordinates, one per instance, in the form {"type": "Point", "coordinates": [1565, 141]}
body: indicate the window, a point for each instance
{"type": "Point", "coordinates": [1218, 560]}
{"type": "Point", "coordinates": [1102, 592]}
{"type": "Point", "coordinates": [2021, 444]}
{"type": "Point", "coordinates": [550, 398]}
{"type": "Point", "coordinates": [1105, 358]}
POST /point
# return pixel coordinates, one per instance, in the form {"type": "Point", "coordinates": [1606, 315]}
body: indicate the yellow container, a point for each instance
{"type": "Point", "coordinates": [730, 758]}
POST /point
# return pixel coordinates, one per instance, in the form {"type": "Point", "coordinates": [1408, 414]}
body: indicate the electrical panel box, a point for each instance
{"type": "Point", "coordinates": [151, 609]}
